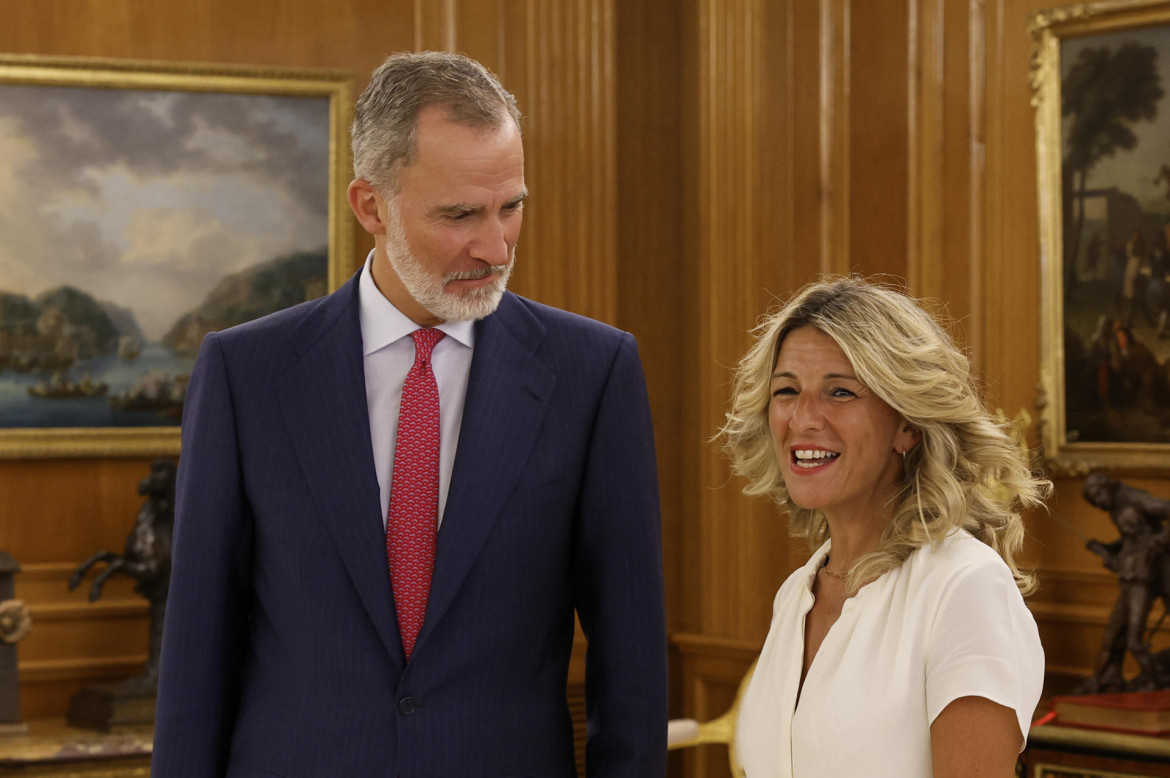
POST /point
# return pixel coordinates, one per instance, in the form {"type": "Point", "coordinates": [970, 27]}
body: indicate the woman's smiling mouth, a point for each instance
{"type": "Point", "coordinates": [810, 458]}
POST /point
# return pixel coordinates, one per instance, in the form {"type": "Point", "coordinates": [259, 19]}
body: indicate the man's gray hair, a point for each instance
{"type": "Point", "coordinates": [387, 112]}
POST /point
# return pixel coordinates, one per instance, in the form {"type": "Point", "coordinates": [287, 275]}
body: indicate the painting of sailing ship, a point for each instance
{"type": "Point", "coordinates": [133, 221]}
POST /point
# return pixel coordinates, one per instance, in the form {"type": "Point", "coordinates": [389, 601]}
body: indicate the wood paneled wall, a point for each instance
{"type": "Point", "coordinates": [690, 161]}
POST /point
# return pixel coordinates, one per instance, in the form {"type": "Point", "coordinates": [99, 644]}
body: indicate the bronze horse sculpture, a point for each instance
{"type": "Point", "coordinates": [146, 558]}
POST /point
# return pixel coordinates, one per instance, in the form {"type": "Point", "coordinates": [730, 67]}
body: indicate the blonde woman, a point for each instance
{"type": "Point", "coordinates": [903, 648]}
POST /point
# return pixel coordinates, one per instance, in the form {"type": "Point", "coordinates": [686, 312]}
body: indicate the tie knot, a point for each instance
{"type": "Point", "coordinates": [424, 342]}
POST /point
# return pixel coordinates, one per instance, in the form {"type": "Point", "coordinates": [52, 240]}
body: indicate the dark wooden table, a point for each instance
{"type": "Point", "coordinates": [1056, 751]}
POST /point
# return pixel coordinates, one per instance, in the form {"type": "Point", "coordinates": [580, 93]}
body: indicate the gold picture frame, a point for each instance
{"type": "Point", "coordinates": [1100, 80]}
{"type": "Point", "coordinates": [169, 198]}
{"type": "Point", "coordinates": [1045, 770]}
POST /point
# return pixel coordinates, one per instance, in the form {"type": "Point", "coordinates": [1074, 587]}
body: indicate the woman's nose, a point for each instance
{"type": "Point", "coordinates": [807, 413]}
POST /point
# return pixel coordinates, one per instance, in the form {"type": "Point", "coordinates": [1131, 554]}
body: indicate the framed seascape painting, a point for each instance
{"type": "Point", "coordinates": [143, 205]}
{"type": "Point", "coordinates": [1101, 89]}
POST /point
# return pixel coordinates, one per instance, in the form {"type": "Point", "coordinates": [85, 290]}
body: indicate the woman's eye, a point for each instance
{"type": "Point", "coordinates": [784, 390]}
{"type": "Point", "coordinates": [841, 392]}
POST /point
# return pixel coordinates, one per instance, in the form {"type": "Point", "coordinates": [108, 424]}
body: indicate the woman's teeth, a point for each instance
{"type": "Point", "coordinates": [813, 457]}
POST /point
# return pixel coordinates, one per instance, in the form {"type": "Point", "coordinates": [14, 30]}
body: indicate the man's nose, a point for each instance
{"type": "Point", "coordinates": [491, 244]}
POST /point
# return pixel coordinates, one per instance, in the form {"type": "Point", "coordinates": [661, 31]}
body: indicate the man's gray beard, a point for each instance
{"type": "Point", "coordinates": [428, 289]}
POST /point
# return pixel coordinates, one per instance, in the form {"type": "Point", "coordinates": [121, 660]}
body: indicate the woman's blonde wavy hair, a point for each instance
{"type": "Point", "coordinates": [966, 471]}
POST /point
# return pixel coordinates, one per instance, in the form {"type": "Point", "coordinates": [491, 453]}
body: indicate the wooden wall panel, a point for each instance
{"type": "Point", "coordinates": [877, 59]}
{"type": "Point", "coordinates": [945, 158]}
{"type": "Point", "coordinates": [353, 35]}
{"type": "Point", "coordinates": [73, 641]}
{"type": "Point", "coordinates": [656, 287]}
{"type": "Point", "coordinates": [1010, 266]}
{"type": "Point", "coordinates": [832, 31]}
{"type": "Point", "coordinates": [727, 60]}
{"type": "Point", "coordinates": [558, 59]}
{"type": "Point", "coordinates": [804, 113]}
{"type": "Point", "coordinates": [436, 25]}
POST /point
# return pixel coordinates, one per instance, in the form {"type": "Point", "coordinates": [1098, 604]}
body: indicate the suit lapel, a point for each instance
{"type": "Point", "coordinates": [323, 397]}
{"type": "Point", "coordinates": [508, 392]}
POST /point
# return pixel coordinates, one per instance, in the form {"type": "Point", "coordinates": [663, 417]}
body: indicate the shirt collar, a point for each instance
{"type": "Point", "coordinates": [383, 324]}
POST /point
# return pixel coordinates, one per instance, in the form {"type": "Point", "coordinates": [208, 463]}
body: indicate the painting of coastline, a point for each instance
{"type": "Point", "coordinates": [68, 360]}
{"type": "Point", "coordinates": [133, 221]}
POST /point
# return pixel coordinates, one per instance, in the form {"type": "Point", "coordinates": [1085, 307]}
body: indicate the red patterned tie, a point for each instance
{"type": "Point", "coordinates": [414, 491]}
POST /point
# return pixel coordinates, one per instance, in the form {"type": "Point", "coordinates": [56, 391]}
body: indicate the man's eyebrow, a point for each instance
{"type": "Point", "coordinates": [462, 208]}
{"type": "Point", "coordinates": [457, 208]}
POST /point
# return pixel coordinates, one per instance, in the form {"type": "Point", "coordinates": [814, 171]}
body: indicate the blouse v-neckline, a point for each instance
{"type": "Point", "coordinates": [812, 567]}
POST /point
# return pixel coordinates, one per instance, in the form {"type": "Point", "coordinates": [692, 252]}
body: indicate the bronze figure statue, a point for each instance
{"type": "Point", "coordinates": [146, 557]}
{"type": "Point", "coordinates": [1140, 560]}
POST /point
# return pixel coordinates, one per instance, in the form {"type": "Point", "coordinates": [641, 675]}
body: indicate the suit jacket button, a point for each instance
{"type": "Point", "coordinates": [406, 706]}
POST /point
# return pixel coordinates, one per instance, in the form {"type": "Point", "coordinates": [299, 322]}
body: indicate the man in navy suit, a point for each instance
{"type": "Point", "coordinates": [298, 642]}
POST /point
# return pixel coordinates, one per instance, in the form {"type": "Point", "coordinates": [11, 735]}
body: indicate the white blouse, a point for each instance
{"type": "Point", "coordinates": [948, 623]}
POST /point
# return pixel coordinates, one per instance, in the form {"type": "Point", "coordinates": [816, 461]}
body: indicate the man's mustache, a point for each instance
{"type": "Point", "coordinates": [478, 273]}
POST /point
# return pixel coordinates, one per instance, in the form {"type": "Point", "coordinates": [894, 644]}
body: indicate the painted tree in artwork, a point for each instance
{"type": "Point", "coordinates": [1105, 92]}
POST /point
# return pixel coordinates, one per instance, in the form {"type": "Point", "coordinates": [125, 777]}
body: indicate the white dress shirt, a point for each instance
{"type": "Point", "coordinates": [388, 352]}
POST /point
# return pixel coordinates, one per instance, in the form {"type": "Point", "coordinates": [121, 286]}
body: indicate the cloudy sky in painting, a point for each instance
{"type": "Point", "coordinates": [147, 199]}
{"type": "Point", "coordinates": [1134, 171]}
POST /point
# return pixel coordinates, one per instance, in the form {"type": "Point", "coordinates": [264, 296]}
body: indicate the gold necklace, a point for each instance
{"type": "Point", "coordinates": [839, 576]}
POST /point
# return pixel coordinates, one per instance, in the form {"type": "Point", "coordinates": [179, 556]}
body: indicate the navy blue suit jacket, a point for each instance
{"type": "Point", "coordinates": [281, 654]}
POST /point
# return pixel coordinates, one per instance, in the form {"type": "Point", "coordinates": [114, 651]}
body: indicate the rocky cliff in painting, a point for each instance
{"type": "Point", "coordinates": [124, 321]}
{"type": "Point", "coordinates": [81, 312]}
{"type": "Point", "coordinates": [55, 329]}
{"type": "Point", "coordinates": [250, 294]}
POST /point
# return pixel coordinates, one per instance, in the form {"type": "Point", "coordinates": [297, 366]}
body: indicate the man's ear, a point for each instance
{"type": "Point", "coordinates": [367, 205]}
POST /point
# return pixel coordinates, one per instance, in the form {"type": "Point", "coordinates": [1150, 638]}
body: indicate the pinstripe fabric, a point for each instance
{"type": "Point", "coordinates": [282, 654]}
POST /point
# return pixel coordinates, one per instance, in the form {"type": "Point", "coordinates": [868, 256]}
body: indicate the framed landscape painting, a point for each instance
{"type": "Point", "coordinates": [1101, 81]}
{"type": "Point", "coordinates": [143, 205]}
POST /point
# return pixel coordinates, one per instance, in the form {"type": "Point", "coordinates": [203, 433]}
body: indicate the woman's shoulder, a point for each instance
{"type": "Point", "coordinates": [959, 557]}
{"type": "Point", "coordinates": [959, 550]}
